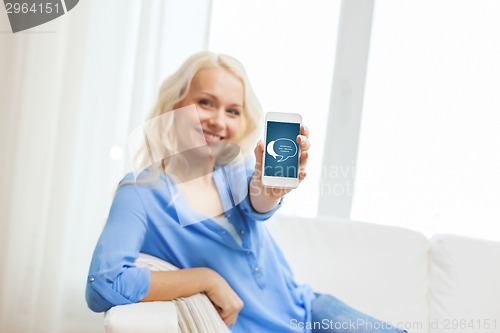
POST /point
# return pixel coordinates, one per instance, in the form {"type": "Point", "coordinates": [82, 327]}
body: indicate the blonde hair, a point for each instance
{"type": "Point", "coordinates": [176, 87]}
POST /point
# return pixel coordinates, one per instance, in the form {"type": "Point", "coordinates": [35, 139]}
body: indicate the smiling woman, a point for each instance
{"type": "Point", "coordinates": [216, 83]}
{"type": "Point", "coordinates": [219, 97]}
{"type": "Point", "coordinates": [225, 113]}
{"type": "Point", "coordinates": [203, 213]}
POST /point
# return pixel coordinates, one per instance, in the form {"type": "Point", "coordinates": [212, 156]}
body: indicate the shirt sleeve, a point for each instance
{"type": "Point", "coordinates": [113, 278]}
{"type": "Point", "coordinates": [245, 206]}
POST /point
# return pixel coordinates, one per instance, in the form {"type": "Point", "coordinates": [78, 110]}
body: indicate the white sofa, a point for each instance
{"type": "Point", "coordinates": [444, 284]}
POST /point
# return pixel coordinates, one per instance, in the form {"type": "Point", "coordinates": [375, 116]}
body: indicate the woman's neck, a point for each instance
{"type": "Point", "coordinates": [195, 166]}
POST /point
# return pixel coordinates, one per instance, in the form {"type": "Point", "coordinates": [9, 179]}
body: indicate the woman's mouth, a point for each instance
{"type": "Point", "coordinates": [211, 137]}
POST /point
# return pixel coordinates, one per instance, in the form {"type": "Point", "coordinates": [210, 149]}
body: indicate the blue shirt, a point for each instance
{"type": "Point", "coordinates": [156, 219]}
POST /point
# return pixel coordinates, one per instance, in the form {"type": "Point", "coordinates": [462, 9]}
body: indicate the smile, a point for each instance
{"type": "Point", "coordinates": [210, 137]}
{"type": "Point", "coordinates": [213, 138]}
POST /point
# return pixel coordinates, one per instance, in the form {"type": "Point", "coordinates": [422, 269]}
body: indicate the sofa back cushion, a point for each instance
{"type": "Point", "coordinates": [379, 270]}
{"type": "Point", "coordinates": [464, 285]}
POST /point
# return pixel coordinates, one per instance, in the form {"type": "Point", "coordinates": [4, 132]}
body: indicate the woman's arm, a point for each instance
{"type": "Point", "coordinates": [113, 278]}
{"type": "Point", "coordinates": [262, 199]}
{"type": "Point", "coordinates": [165, 286]}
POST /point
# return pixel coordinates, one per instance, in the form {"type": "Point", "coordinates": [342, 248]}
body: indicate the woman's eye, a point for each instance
{"type": "Point", "coordinates": [234, 112]}
{"type": "Point", "coordinates": [204, 102]}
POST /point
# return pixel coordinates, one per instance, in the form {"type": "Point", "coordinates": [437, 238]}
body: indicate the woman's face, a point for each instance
{"type": "Point", "coordinates": [219, 98]}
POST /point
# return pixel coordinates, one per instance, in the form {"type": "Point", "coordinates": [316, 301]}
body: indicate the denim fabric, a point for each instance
{"type": "Point", "coordinates": [329, 314]}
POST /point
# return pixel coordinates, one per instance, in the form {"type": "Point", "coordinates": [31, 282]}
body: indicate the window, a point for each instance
{"type": "Point", "coordinates": [429, 152]}
{"type": "Point", "coordinates": [288, 49]}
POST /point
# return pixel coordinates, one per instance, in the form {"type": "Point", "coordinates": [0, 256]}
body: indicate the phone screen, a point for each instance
{"type": "Point", "coordinates": [281, 150]}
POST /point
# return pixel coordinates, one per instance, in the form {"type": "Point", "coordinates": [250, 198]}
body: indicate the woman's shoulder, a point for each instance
{"type": "Point", "coordinates": [129, 177]}
{"type": "Point", "coordinates": [145, 180]}
{"type": "Point", "coordinates": [150, 189]}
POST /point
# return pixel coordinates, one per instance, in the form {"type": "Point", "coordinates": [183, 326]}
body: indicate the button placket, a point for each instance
{"type": "Point", "coordinates": [255, 268]}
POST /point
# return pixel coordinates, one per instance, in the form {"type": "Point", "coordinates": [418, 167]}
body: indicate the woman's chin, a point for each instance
{"type": "Point", "coordinates": [221, 153]}
{"type": "Point", "coordinates": [226, 153]}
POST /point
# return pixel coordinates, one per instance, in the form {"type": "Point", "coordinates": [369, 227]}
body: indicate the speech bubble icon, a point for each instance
{"type": "Point", "coordinates": [282, 149]}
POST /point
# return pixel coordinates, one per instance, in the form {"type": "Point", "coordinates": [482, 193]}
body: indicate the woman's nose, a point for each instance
{"type": "Point", "coordinates": [217, 119]}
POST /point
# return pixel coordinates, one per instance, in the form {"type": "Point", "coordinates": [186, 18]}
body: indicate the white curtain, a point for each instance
{"type": "Point", "coordinates": [71, 90]}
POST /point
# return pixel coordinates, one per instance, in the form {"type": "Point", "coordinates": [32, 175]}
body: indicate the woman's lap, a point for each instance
{"type": "Point", "coordinates": [329, 314]}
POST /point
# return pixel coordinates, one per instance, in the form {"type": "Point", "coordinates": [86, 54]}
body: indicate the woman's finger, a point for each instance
{"type": "Point", "coordinates": [228, 320]}
{"type": "Point", "coordinates": [258, 151]}
{"type": "Point", "coordinates": [303, 142]}
{"type": "Point", "coordinates": [304, 157]}
{"type": "Point", "coordinates": [304, 130]}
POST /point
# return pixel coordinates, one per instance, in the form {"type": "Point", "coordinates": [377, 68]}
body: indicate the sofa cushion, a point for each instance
{"type": "Point", "coordinates": [464, 285]}
{"type": "Point", "coordinates": [379, 270]}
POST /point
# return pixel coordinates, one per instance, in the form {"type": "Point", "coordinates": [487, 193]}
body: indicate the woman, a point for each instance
{"type": "Point", "coordinates": [200, 206]}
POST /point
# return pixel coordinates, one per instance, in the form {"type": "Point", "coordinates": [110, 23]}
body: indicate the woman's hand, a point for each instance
{"type": "Point", "coordinates": [226, 301]}
{"type": "Point", "coordinates": [264, 199]}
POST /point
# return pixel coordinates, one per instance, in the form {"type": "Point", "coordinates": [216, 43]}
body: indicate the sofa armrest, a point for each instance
{"type": "Point", "coordinates": [147, 317]}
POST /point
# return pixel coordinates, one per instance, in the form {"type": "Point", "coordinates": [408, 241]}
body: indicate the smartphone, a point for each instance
{"type": "Point", "coordinates": [280, 167]}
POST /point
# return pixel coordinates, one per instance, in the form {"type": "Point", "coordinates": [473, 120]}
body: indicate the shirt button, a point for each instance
{"type": "Point", "coordinates": [228, 215]}
{"type": "Point", "coordinates": [256, 269]}
{"type": "Point", "coordinates": [242, 232]}
{"type": "Point", "coordinates": [92, 279]}
{"type": "Point", "coordinates": [248, 252]}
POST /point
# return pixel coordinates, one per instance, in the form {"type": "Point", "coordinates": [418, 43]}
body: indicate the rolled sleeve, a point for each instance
{"type": "Point", "coordinates": [113, 278]}
{"type": "Point", "coordinates": [129, 287]}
